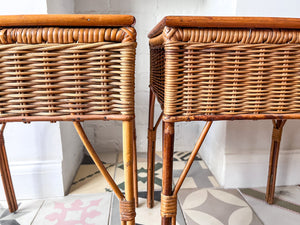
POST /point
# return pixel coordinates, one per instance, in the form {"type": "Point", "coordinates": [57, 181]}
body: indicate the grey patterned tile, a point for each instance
{"type": "Point", "coordinates": [199, 175]}
{"type": "Point", "coordinates": [177, 156]}
{"type": "Point", "coordinates": [141, 157]}
{"type": "Point", "coordinates": [25, 214]}
{"type": "Point", "coordinates": [184, 156]}
{"type": "Point", "coordinates": [142, 176]}
{"type": "Point", "coordinates": [286, 207]}
{"type": "Point", "coordinates": [216, 206]}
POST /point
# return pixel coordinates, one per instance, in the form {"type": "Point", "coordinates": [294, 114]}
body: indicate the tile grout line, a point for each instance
{"type": "Point", "coordinates": [283, 204]}
{"type": "Point", "coordinates": [183, 215]}
{"type": "Point", "coordinates": [253, 211]}
{"type": "Point", "coordinates": [38, 212]}
{"type": "Point", "coordinates": [109, 165]}
{"type": "Point", "coordinates": [110, 209]}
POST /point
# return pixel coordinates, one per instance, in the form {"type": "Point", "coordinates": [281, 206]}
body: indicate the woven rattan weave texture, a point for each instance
{"type": "Point", "coordinates": [66, 73]}
{"type": "Point", "coordinates": [227, 71]}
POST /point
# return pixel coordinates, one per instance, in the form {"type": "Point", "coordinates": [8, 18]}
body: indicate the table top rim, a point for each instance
{"type": "Point", "coordinates": [225, 22]}
{"type": "Point", "coordinates": [67, 20]}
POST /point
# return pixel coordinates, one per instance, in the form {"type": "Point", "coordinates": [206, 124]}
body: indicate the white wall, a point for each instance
{"type": "Point", "coordinates": [213, 150]}
{"type": "Point", "coordinates": [60, 6]}
{"type": "Point", "coordinates": [16, 7]}
{"type": "Point", "coordinates": [273, 8]}
{"type": "Point", "coordinates": [72, 153]}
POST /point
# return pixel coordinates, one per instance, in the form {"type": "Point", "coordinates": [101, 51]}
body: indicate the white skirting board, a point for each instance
{"type": "Point", "coordinates": [33, 180]}
{"type": "Point", "coordinates": [251, 170]}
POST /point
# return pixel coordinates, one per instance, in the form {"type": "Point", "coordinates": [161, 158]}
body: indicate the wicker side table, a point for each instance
{"type": "Point", "coordinates": [220, 68]}
{"type": "Point", "coordinates": [70, 68]}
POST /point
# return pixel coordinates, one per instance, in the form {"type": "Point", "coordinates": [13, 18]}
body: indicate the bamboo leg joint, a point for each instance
{"type": "Point", "coordinates": [276, 135]}
{"type": "Point", "coordinates": [127, 210]}
{"type": "Point", "coordinates": [151, 134]}
{"type": "Point", "coordinates": [168, 205]}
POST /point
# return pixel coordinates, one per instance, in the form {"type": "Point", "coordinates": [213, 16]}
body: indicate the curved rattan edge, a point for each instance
{"type": "Point", "coordinates": [229, 117]}
{"type": "Point", "coordinates": [28, 119]}
{"type": "Point", "coordinates": [157, 41]}
{"type": "Point", "coordinates": [224, 22]}
{"type": "Point", "coordinates": [225, 36]}
{"type": "Point", "coordinates": [78, 20]}
{"type": "Point", "coordinates": [64, 35]}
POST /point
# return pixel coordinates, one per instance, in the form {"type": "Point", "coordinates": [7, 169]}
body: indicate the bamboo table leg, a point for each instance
{"type": "Point", "coordinates": [274, 154]}
{"type": "Point", "coordinates": [150, 153]}
{"type": "Point", "coordinates": [128, 162]}
{"type": "Point", "coordinates": [168, 148]}
{"type": "Point", "coordinates": [6, 176]}
{"type": "Point", "coordinates": [135, 175]}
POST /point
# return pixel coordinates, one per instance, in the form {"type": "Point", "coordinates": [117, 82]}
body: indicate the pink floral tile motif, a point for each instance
{"type": "Point", "coordinates": [77, 205]}
{"type": "Point", "coordinates": [75, 210]}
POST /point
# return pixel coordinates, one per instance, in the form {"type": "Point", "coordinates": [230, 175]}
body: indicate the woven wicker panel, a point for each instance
{"type": "Point", "coordinates": [157, 70]}
{"type": "Point", "coordinates": [230, 72]}
{"type": "Point", "coordinates": [59, 80]}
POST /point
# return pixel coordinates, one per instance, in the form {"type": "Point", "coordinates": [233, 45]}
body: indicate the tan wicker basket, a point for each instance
{"type": "Point", "coordinates": [227, 71]}
{"type": "Point", "coordinates": [66, 73]}
{"type": "Point", "coordinates": [70, 67]}
{"type": "Point", "coordinates": [220, 68]}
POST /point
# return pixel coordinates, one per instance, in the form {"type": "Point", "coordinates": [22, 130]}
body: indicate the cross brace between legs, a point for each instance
{"type": "Point", "coordinates": [192, 157]}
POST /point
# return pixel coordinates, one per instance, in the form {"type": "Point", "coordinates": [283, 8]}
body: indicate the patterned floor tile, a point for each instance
{"type": "Point", "coordinates": [285, 197]}
{"type": "Point", "coordinates": [286, 207]}
{"type": "Point", "coordinates": [23, 216]}
{"type": "Point", "coordinates": [73, 210]}
{"type": "Point", "coordinates": [199, 175]}
{"type": "Point", "coordinates": [158, 156]}
{"type": "Point", "coordinates": [105, 157]}
{"type": "Point", "coordinates": [141, 157]}
{"type": "Point", "coordinates": [89, 180]}
{"type": "Point", "coordinates": [272, 214]}
{"type": "Point", "coordinates": [184, 156]}
{"type": "Point", "coordinates": [177, 156]}
{"type": "Point", "coordinates": [142, 176]}
{"type": "Point", "coordinates": [216, 207]}
{"type": "Point", "coordinates": [145, 216]}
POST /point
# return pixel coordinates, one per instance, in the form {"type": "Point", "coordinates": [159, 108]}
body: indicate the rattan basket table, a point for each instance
{"type": "Point", "coordinates": [220, 68]}
{"type": "Point", "coordinates": [70, 68]}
